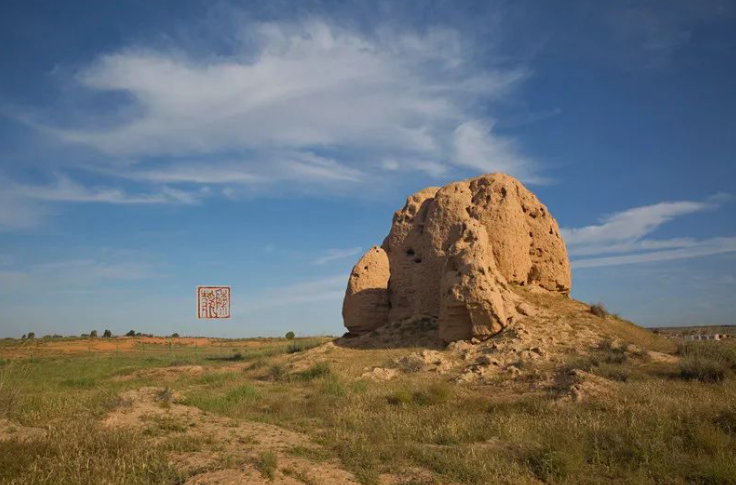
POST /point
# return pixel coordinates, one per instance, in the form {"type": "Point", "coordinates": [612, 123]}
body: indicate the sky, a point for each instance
{"type": "Point", "coordinates": [147, 148]}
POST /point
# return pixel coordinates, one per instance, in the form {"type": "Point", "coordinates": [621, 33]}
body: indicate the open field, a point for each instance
{"type": "Point", "coordinates": [729, 330]}
{"type": "Point", "coordinates": [278, 411]}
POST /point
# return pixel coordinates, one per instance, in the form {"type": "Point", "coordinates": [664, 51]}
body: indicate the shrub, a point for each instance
{"type": "Point", "coordinates": [276, 372]}
{"type": "Point", "coordinates": [333, 387]}
{"type": "Point", "coordinates": [702, 369]}
{"type": "Point", "coordinates": [615, 356]}
{"type": "Point", "coordinates": [434, 394]}
{"type": "Point", "coordinates": [107, 334]}
{"type": "Point", "coordinates": [399, 398]}
{"type": "Point", "coordinates": [598, 310]}
{"type": "Point", "coordinates": [290, 335]}
{"type": "Point", "coordinates": [320, 369]}
{"type": "Point", "coordinates": [93, 334]}
{"type": "Point", "coordinates": [266, 464]}
{"type": "Point", "coordinates": [165, 395]}
{"type": "Point", "coordinates": [294, 348]}
{"type": "Point", "coordinates": [31, 335]}
{"type": "Point", "coordinates": [174, 335]}
{"type": "Point", "coordinates": [130, 334]}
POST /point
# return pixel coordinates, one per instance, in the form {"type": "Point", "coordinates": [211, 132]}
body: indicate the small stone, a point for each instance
{"type": "Point", "coordinates": [513, 371]}
{"type": "Point", "coordinates": [526, 309]}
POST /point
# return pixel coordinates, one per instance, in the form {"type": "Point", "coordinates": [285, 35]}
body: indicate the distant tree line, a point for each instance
{"type": "Point", "coordinates": [94, 334]}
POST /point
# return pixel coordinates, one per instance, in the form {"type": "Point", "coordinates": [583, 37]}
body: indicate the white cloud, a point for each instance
{"type": "Point", "coordinates": [299, 91]}
{"type": "Point", "coordinates": [75, 274]}
{"type": "Point", "coordinates": [477, 147]}
{"type": "Point", "coordinates": [322, 289]}
{"type": "Point", "coordinates": [27, 206]}
{"type": "Point", "coordinates": [336, 255]}
{"type": "Point", "coordinates": [192, 172]}
{"type": "Point", "coordinates": [66, 190]}
{"type": "Point", "coordinates": [630, 225]}
{"type": "Point", "coordinates": [625, 234]}
{"type": "Point", "coordinates": [705, 247]}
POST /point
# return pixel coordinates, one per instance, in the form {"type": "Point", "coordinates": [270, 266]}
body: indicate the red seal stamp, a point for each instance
{"type": "Point", "coordinates": [213, 302]}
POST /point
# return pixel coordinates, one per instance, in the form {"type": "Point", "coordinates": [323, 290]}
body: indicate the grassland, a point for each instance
{"type": "Point", "coordinates": [663, 422]}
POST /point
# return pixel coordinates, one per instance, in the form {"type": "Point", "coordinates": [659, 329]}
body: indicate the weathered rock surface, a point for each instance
{"type": "Point", "coordinates": [452, 253]}
{"type": "Point", "coordinates": [366, 302]}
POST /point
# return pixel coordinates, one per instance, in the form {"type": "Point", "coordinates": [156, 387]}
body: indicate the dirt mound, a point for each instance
{"type": "Point", "coordinates": [452, 254]}
{"type": "Point", "coordinates": [162, 373]}
{"type": "Point", "coordinates": [550, 331]}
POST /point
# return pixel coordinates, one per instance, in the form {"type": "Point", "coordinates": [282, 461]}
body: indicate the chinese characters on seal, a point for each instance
{"type": "Point", "coordinates": [213, 302]}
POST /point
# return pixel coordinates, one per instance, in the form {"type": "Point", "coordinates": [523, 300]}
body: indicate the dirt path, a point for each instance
{"type": "Point", "coordinates": [227, 451]}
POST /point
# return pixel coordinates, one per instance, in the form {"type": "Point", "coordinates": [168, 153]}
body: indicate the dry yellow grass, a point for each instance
{"type": "Point", "coordinates": [608, 413]}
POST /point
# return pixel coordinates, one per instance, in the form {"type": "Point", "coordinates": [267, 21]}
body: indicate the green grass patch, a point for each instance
{"type": "Point", "coordinates": [84, 453]}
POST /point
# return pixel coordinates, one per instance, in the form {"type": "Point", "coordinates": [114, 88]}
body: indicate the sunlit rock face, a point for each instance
{"type": "Point", "coordinates": [452, 253]}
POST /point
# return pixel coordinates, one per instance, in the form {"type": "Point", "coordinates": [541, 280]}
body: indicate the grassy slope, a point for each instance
{"type": "Point", "coordinates": [657, 427]}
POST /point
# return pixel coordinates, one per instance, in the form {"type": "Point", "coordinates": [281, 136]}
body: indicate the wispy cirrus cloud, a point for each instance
{"type": "Point", "coordinates": [292, 294]}
{"type": "Point", "coordinates": [626, 234]}
{"type": "Point", "coordinates": [75, 274]}
{"type": "Point", "coordinates": [25, 206]}
{"type": "Point", "coordinates": [694, 249]}
{"type": "Point", "coordinates": [64, 189]}
{"type": "Point", "coordinates": [336, 255]}
{"type": "Point", "coordinates": [308, 102]}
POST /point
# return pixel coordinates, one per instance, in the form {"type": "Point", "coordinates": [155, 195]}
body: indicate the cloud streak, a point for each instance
{"type": "Point", "coordinates": [625, 235]}
{"type": "Point", "coordinates": [321, 289]}
{"type": "Point", "coordinates": [26, 206]}
{"type": "Point", "coordinates": [705, 247]}
{"type": "Point", "coordinates": [336, 255]}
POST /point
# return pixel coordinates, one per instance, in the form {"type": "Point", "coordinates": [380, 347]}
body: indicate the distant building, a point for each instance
{"type": "Point", "coordinates": [705, 336]}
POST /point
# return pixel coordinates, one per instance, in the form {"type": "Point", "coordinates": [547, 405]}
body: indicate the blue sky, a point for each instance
{"type": "Point", "coordinates": [150, 147]}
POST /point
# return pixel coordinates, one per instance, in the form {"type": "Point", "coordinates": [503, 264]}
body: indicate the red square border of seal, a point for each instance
{"type": "Point", "coordinates": [213, 302]}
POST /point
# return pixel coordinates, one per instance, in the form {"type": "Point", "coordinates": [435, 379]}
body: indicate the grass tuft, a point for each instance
{"type": "Point", "coordinates": [599, 310]}
{"type": "Point", "coordinates": [320, 369]}
{"type": "Point", "coordinates": [266, 464]}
